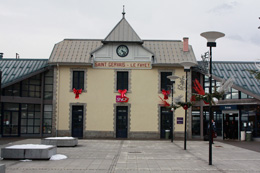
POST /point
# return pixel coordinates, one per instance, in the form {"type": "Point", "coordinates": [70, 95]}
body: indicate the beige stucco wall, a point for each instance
{"type": "Point", "coordinates": [101, 97]}
{"type": "Point", "coordinates": [144, 100]}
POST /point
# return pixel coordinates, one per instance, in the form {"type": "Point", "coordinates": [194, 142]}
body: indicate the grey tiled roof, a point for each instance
{"type": "Point", "coordinates": [79, 51]}
{"type": "Point", "coordinates": [169, 51]}
{"type": "Point", "coordinates": [122, 32]}
{"type": "Point", "coordinates": [18, 69]}
{"type": "Point", "coordinates": [74, 51]}
{"type": "Point", "coordinates": [239, 70]}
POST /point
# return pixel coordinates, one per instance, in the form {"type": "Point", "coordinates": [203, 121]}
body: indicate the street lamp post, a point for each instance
{"type": "Point", "coordinates": [187, 66]}
{"type": "Point", "coordinates": [172, 79]}
{"type": "Point", "coordinates": [211, 42]}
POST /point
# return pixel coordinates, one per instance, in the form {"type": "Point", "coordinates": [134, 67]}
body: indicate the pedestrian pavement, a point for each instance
{"type": "Point", "coordinates": [142, 156]}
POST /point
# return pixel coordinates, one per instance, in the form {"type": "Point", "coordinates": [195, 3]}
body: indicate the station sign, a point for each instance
{"type": "Point", "coordinates": [228, 107]}
{"type": "Point", "coordinates": [122, 65]}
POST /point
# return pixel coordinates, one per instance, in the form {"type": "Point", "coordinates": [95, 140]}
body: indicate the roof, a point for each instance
{"type": "Point", "coordinates": [78, 51]}
{"type": "Point", "coordinates": [239, 70]}
{"type": "Point", "coordinates": [74, 51]}
{"type": "Point", "coordinates": [14, 70]}
{"type": "Point", "coordinates": [169, 51]}
{"type": "Point", "coordinates": [123, 32]}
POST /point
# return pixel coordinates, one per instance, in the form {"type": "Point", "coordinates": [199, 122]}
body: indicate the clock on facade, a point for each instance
{"type": "Point", "coordinates": [122, 51]}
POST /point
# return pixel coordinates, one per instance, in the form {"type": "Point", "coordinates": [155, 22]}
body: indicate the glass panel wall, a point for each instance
{"type": "Point", "coordinates": [32, 87]}
{"type": "Point", "coordinates": [13, 90]}
{"type": "Point", "coordinates": [0, 119]}
{"type": "Point", "coordinates": [217, 116]}
{"type": "Point", "coordinates": [47, 119]}
{"type": "Point", "coordinates": [48, 85]}
{"type": "Point", "coordinates": [196, 121]}
{"type": "Point", "coordinates": [30, 118]}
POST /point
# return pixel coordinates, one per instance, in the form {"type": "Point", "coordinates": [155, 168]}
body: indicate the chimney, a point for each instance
{"type": "Point", "coordinates": [17, 56]}
{"type": "Point", "coordinates": [1, 55]}
{"type": "Point", "coordinates": [185, 44]}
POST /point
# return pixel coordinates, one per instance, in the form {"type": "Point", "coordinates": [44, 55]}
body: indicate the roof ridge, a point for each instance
{"type": "Point", "coordinates": [78, 39]}
{"type": "Point", "coordinates": [24, 59]}
{"type": "Point", "coordinates": [164, 40]}
{"type": "Point", "coordinates": [126, 30]}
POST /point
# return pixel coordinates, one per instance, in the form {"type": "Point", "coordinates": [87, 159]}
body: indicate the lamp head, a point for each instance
{"type": "Point", "coordinates": [187, 65]}
{"type": "Point", "coordinates": [211, 37]}
{"type": "Point", "coordinates": [172, 78]}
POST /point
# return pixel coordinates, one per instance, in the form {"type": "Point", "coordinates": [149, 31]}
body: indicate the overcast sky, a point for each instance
{"type": "Point", "coordinates": [32, 27]}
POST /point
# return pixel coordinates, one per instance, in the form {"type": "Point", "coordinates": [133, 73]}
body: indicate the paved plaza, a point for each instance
{"type": "Point", "coordinates": [130, 156]}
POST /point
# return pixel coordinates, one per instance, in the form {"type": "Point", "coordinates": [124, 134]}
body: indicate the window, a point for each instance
{"type": "Point", "coordinates": [32, 87]}
{"type": "Point", "coordinates": [47, 119]}
{"type": "Point", "coordinates": [195, 121]}
{"type": "Point", "coordinates": [122, 80]}
{"type": "Point", "coordinates": [245, 96]}
{"type": "Point", "coordinates": [30, 118]}
{"type": "Point", "coordinates": [214, 84]}
{"type": "Point", "coordinates": [78, 80]}
{"type": "Point", "coordinates": [0, 118]}
{"type": "Point", "coordinates": [165, 82]}
{"type": "Point", "coordinates": [48, 84]}
{"type": "Point", "coordinates": [13, 90]}
{"type": "Point", "coordinates": [232, 94]}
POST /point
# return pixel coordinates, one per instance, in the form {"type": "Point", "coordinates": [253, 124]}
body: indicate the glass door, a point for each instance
{"type": "Point", "coordinates": [11, 123]}
{"type": "Point", "coordinates": [231, 126]}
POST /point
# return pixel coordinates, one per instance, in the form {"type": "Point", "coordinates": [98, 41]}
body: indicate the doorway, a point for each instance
{"type": "Point", "coordinates": [121, 121]}
{"type": "Point", "coordinates": [166, 121]}
{"type": "Point", "coordinates": [231, 125]}
{"type": "Point", "coordinates": [11, 124]}
{"type": "Point", "coordinates": [77, 121]}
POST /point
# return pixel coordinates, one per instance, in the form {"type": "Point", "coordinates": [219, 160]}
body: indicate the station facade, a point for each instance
{"type": "Point", "coordinates": [98, 69]}
{"type": "Point", "coordinates": [112, 88]}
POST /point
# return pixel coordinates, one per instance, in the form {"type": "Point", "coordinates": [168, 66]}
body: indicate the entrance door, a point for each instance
{"type": "Point", "coordinates": [166, 121]}
{"type": "Point", "coordinates": [10, 123]}
{"type": "Point", "coordinates": [230, 126]}
{"type": "Point", "coordinates": [77, 121]}
{"type": "Point", "coordinates": [121, 121]}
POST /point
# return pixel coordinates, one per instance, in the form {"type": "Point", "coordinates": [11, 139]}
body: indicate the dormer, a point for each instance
{"type": "Point", "coordinates": [122, 45]}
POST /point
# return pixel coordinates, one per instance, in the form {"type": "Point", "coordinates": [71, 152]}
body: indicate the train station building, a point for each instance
{"type": "Point", "coordinates": [112, 88]}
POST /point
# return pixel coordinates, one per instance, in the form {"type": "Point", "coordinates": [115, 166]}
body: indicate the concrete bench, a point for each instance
{"type": "Point", "coordinates": [60, 141]}
{"type": "Point", "coordinates": [28, 151]}
{"type": "Point", "coordinates": [2, 168]}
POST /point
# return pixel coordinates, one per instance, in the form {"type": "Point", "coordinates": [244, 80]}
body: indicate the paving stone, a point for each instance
{"type": "Point", "coordinates": [125, 156]}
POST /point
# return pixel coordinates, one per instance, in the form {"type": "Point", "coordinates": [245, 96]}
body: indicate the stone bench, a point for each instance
{"type": "Point", "coordinates": [60, 141]}
{"type": "Point", "coordinates": [2, 168]}
{"type": "Point", "coordinates": [28, 151]}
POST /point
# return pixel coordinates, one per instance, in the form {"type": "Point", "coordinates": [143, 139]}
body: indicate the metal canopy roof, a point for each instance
{"type": "Point", "coordinates": [14, 70]}
{"type": "Point", "coordinates": [239, 70]}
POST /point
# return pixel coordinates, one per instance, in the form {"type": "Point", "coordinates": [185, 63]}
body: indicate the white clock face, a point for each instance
{"type": "Point", "coordinates": [122, 51]}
